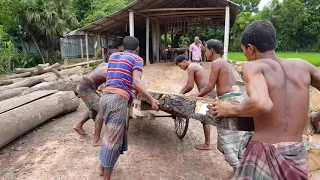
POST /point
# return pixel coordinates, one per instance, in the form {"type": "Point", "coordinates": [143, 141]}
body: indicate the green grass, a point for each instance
{"type": "Point", "coordinates": [313, 58]}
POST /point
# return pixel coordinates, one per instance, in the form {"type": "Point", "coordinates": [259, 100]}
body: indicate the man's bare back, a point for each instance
{"type": "Point", "coordinates": [225, 81]}
{"type": "Point", "coordinates": [98, 75]}
{"type": "Point", "coordinates": [288, 84]}
{"type": "Point", "coordinates": [221, 77]}
{"type": "Point", "coordinates": [199, 75]}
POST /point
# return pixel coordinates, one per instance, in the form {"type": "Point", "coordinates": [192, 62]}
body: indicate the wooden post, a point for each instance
{"type": "Point", "coordinates": [131, 23]}
{"type": "Point", "coordinates": [147, 40]}
{"type": "Point", "coordinates": [226, 33]}
{"type": "Point", "coordinates": [158, 34]}
{"type": "Point", "coordinates": [87, 50]}
{"type": "Point", "coordinates": [81, 48]}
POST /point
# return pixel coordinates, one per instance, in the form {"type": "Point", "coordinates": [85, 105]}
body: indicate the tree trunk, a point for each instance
{"type": "Point", "coordinates": [10, 93]}
{"type": "Point", "coordinates": [5, 82]}
{"type": "Point", "coordinates": [66, 84]}
{"type": "Point", "coordinates": [36, 44]}
{"type": "Point", "coordinates": [185, 107]}
{"type": "Point", "coordinates": [25, 83]}
{"type": "Point", "coordinates": [93, 62]}
{"type": "Point", "coordinates": [37, 70]}
{"type": "Point", "coordinates": [21, 119]}
{"type": "Point", "coordinates": [26, 74]}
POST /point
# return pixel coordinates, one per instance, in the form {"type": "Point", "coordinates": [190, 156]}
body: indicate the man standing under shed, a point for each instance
{"type": "Point", "coordinates": [195, 51]}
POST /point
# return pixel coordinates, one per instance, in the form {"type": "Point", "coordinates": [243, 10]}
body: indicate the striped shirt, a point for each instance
{"type": "Point", "coordinates": [120, 70]}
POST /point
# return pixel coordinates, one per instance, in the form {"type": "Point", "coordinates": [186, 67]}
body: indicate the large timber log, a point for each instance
{"type": "Point", "coordinates": [5, 82]}
{"type": "Point", "coordinates": [37, 70]}
{"type": "Point", "coordinates": [65, 84]}
{"type": "Point", "coordinates": [10, 93]}
{"type": "Point", "coordinates": [25, 83]}
{"type": "Point", "coordinates": [182, 106]}
{"type": "Point", "coordinates": [93, 62]}
{"type": "Point", "coordinates": [22, 75]}
{"type": "Point", "coordinates": [29, 112]}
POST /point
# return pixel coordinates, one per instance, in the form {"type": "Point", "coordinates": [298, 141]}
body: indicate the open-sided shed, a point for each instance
{"type": "Point", "coordinates": [163, 17]}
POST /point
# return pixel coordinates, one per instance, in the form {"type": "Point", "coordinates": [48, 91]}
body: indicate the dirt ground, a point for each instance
{"type": "Point", "coordinates": [54, 151]}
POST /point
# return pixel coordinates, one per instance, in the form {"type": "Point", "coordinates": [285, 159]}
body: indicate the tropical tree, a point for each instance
{"type": "Point", "coordinates": [42, 19]}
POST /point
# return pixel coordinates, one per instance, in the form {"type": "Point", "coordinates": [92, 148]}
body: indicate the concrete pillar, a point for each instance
{"type": "Point", "coordinates": [226, 33]}
{"type": "Point", "coordinates": [131, 23]}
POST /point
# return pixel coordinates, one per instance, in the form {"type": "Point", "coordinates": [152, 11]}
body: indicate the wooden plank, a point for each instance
{"type": "Point", "coordinates": [182, 106]}
{"type": "Point", "coordinates": [12, 103]}
{"type": "Point", "coordinates": [182, 9]}
{"type": "Point", "coordinates": [187, 13]}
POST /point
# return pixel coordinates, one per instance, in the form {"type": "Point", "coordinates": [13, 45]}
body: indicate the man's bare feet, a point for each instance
{"type": "Point", "coordinates": [101, 170]}
{"type": "Point", "coordinates": [203, 147]}
{"type": "Point", "coordinates": [79, 130]}
{"type": "Point", "coordinates": [97, 143]}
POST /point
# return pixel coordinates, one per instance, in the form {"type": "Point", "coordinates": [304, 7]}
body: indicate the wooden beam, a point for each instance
{"type": "Point", "coordinates": [182, 9]}
{"type": "Point", "coordinates": [183, 13]}
{"type": "Point", "coordinates": [143, 15]}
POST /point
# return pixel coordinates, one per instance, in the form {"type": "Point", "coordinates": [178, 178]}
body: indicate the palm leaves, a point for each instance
{"type": "Point", "coordinates": [47, 17]}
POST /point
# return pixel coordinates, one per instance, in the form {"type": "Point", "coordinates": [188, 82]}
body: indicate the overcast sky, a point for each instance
{"type": "Point", "coordinates": [263, 3]}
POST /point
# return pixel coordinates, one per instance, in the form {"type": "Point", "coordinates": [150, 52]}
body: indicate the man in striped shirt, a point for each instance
{"type": "Point", "coordinates": [124, 73]}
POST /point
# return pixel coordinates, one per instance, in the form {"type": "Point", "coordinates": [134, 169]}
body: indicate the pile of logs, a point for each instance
{"type": "Point", "coordinates": [32, 96]}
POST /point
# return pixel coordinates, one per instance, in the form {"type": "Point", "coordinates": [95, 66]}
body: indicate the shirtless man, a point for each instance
{"type": "Point", "coordinates": [87, 92]}
{"type": "Point", "coordinates": [229, 142]}
{"type": "Point", "coordinates": [278, 100]}
{"type": "Point", "coordinates": [196, 75]}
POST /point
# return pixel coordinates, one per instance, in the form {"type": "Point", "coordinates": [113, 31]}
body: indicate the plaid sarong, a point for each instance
{"type": "Point", "coordinates": [281, 161]}
{"type": "Point", "coordinates": [114, 110]}
{"type": "Point", "coordinates": [232, 143]}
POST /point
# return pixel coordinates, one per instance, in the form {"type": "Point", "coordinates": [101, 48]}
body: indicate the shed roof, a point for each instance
{"type": "Point", "coordinates": [162, 10]}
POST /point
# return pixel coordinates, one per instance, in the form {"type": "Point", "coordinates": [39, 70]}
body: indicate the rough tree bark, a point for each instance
{"type": "Point", "coordinates": [10, 93]}
{"type": "Point", "coordinates": [93, 62]}
{"type": "Point", "coordinates": [66, 84]}
{"type": "Point", "coordinates": [25, 83]}
{"type": "Point", "coordinates": [185, 107]}
{"type": "Point", "coordinates": [37, 70]}
{"type": "Point", "coordinates": [5, 82]}
{"type": "Point", "coordinates": [21, 119]}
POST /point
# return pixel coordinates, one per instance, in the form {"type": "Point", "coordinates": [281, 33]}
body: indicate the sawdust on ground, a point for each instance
{"type": "Point", "coordinates": [54, 151]}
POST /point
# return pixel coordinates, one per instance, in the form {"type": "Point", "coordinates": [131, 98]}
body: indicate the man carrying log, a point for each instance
{"type": "Point", "coordinates": [124, 72]}
{"type": "Point", "coordinates": [196, 74]}
{"type": "Point", "coordinates": [278, 100]}
{"type": "Point", "coordinates": [87, 91]}
{"type": "Point", "coordinates": [229, 142]}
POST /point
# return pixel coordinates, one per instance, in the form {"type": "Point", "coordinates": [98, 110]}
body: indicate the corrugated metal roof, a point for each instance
{"type": "Point", "coordinates": [117, 23]}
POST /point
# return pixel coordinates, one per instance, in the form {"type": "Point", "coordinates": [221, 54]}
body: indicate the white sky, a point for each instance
{"type": "Point", "coordinates": [263, 3]}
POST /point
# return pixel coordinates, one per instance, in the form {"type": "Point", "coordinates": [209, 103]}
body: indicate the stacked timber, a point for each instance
{"type": "Point", "coordinates": [20, 114]}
